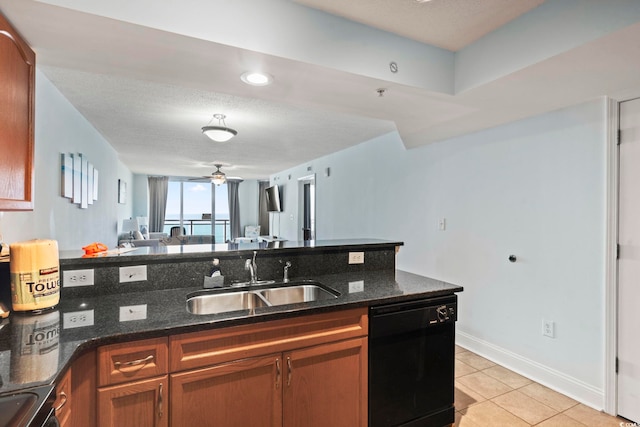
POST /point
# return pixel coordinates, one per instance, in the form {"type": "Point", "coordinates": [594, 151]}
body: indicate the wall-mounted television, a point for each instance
{"type": "Point", "coordinates": [274, 199]}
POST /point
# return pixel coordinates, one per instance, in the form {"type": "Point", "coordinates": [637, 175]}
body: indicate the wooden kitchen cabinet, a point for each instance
{"type": "Point", "coordinates": [75, 393]}
{"type": "Point", "coordinates": [133, 385]}
{"type": "Point", "coordinates": [326, 385]}
{"type": "Point", "coordinates": [211, 347]}
{"type": "Point", "coordinates": [318, 386]}
{"type": "Point", "coordinates": [63, 403]}
{"type": "Point", "coordinates": [83, 390]}
{"type": "Point", "coordinates": [243, 393]}
{"type": "Point", "coordinates": [132, 361]}
{"type": "Point", "coordinates": [17, 89]}
{"type": "Point", "coordinates": [134, 404]}
{"type": "Point", "coordinates": [308, 370]}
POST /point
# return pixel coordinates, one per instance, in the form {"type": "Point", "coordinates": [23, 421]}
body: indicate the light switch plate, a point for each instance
{"type": "Point", "coordinates": [356, 286]}
{"type": "Point", "coordinates": [134, 273]}
{"type": "Point", "coordinates": [133, 312]}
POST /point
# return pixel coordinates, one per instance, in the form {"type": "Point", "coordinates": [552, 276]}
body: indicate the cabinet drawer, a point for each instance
{"type": "Point", "coordinates": [198, 349]}
{"type": "Point", "coordinates": [132, 361]}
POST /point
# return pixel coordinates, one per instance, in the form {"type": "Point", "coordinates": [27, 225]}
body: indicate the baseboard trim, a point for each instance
{"type": "Point", "coordinates": [555, 380]}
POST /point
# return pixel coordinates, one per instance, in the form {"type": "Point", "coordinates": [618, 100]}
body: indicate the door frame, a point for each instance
{"type": "Point", "coordinates": [307, 179]}
{"type": "Point", "coordinates": [612, 109]}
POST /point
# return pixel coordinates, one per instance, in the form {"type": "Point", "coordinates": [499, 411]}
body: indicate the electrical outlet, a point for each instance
{"type": "Point", "coordinates": [134, 273]}
{"type": "Point", "coordinates": [356, 257]}
{"type": "Point", "coordinates": [77, 319]}
{"type": "Point", "coordinates": [548, 328]}
{"type": "Point", "coordinates": [71, 278]}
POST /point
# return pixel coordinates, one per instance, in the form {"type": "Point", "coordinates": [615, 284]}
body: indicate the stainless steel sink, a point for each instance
{"type": "Point", "coordinates": [208, 302]}
{"type": "Point", "coordinates": [222, 303]}
{"type": "Point", "coordinates": [295, 294]}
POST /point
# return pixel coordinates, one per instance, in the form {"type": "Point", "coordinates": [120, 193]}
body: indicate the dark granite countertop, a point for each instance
{"type": "Point", "coordinates": [179, 252]}
{"type": "Point", "coordinates": [35, 350]}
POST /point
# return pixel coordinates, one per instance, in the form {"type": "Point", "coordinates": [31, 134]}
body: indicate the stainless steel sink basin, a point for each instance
{"type": "Point", "coordinates": [222, 303]}
{"type": "Point", "coordinates": [207, 302]}
{"type": "Point", "coordinates": [295, 294]}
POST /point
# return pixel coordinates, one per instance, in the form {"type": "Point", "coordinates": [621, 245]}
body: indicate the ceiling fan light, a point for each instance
{"type": "Point", "coordinates": [219, 133]}
{"type": "Point", "coordinates": [219, 178]}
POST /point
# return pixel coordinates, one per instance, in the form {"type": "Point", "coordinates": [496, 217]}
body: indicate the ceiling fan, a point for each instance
{"type": "Point", "coordinates": [218, 177]}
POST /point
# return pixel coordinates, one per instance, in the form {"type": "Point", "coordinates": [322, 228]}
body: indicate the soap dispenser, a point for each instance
{"type": "Point", "coordinates": [215, 279]}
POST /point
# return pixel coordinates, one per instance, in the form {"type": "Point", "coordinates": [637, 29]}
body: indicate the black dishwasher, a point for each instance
{"type": "Point", "coordinates": [411, 362]}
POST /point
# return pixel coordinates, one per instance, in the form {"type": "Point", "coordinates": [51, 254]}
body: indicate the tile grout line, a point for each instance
{"type": "Point", "coordinates": [481, 370]}
{"type": "Point", "coordinates": [557, 412]}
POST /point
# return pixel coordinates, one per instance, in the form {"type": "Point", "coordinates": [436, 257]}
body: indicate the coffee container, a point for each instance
{"type": "Point", "coordinates": [35, 275]}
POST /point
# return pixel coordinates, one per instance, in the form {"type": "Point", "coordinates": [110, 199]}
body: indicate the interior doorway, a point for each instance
{"type": "Point", "coordinates": [628, 351]}
{"type": "Point", "coordinates": [307, 207]}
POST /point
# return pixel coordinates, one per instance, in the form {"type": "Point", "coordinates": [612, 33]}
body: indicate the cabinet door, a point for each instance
{"type": "Point", "coordinates": [83, 391]}
{"type": "Point", "coordinates": [62, 404]}
{"type": "Point", "coordinates": [326, 385]}
{"type": "Point", "coordinates": [17, 86]}
{"type": "Point", "coordinates": [136, 404]}
{"type": "Point", "coordinates": [242, 393]}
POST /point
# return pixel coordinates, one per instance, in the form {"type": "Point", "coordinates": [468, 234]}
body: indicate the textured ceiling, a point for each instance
{"type": "Point", "coordinates": [156, 119]}
{"type": "Point", "coordinates": [449, 24]}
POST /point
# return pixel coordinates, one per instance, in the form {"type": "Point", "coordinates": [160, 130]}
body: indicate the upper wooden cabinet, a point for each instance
{"type": "Point", "coordinates": [17, 89]}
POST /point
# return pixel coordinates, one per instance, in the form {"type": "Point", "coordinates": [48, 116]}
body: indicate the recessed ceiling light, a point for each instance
{"type": "Point", "coordinates": [255, 78]}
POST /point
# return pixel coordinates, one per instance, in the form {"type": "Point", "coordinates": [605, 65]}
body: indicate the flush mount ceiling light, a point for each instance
{"type": "Point", "coordinates": [220, 133]}
{"type": "Point", "coordinates": [255, 78]}
{"type": "Point", "coordinates": [218, 177]}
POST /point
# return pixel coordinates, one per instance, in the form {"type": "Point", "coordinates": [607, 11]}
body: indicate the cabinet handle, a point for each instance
{"type": "Point", "coordinates": [63, 396]}
{"type": "Point", "coordinates": [289, 371]}
{"type": "Point", "coordinates": [131, 363]}
{"type": "Point", "coordinates": [277, 372]}
{"type": "Point", "coordinates": [160, 401]}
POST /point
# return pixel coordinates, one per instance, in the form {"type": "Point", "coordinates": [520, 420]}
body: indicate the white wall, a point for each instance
{"type": "Point", "coordinates": [553, 27]}
{"type": "Point", "coordinates": [60, 128]}
{"type": "Point", "coordinates": [533, 188]}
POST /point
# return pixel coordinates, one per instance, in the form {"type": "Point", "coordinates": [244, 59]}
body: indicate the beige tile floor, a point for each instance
{"type": "Point", "coordinates": [489, 395]}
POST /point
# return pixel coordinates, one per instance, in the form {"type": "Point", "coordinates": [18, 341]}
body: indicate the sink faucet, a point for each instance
{"type": "Point", "coordinates": [287, 265]}
{"type": "Point", "coordinates": [250, 264]}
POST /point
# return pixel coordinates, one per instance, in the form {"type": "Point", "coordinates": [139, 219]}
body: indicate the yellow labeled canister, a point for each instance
{"type": "Point", "coordinates": [35, 275]}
